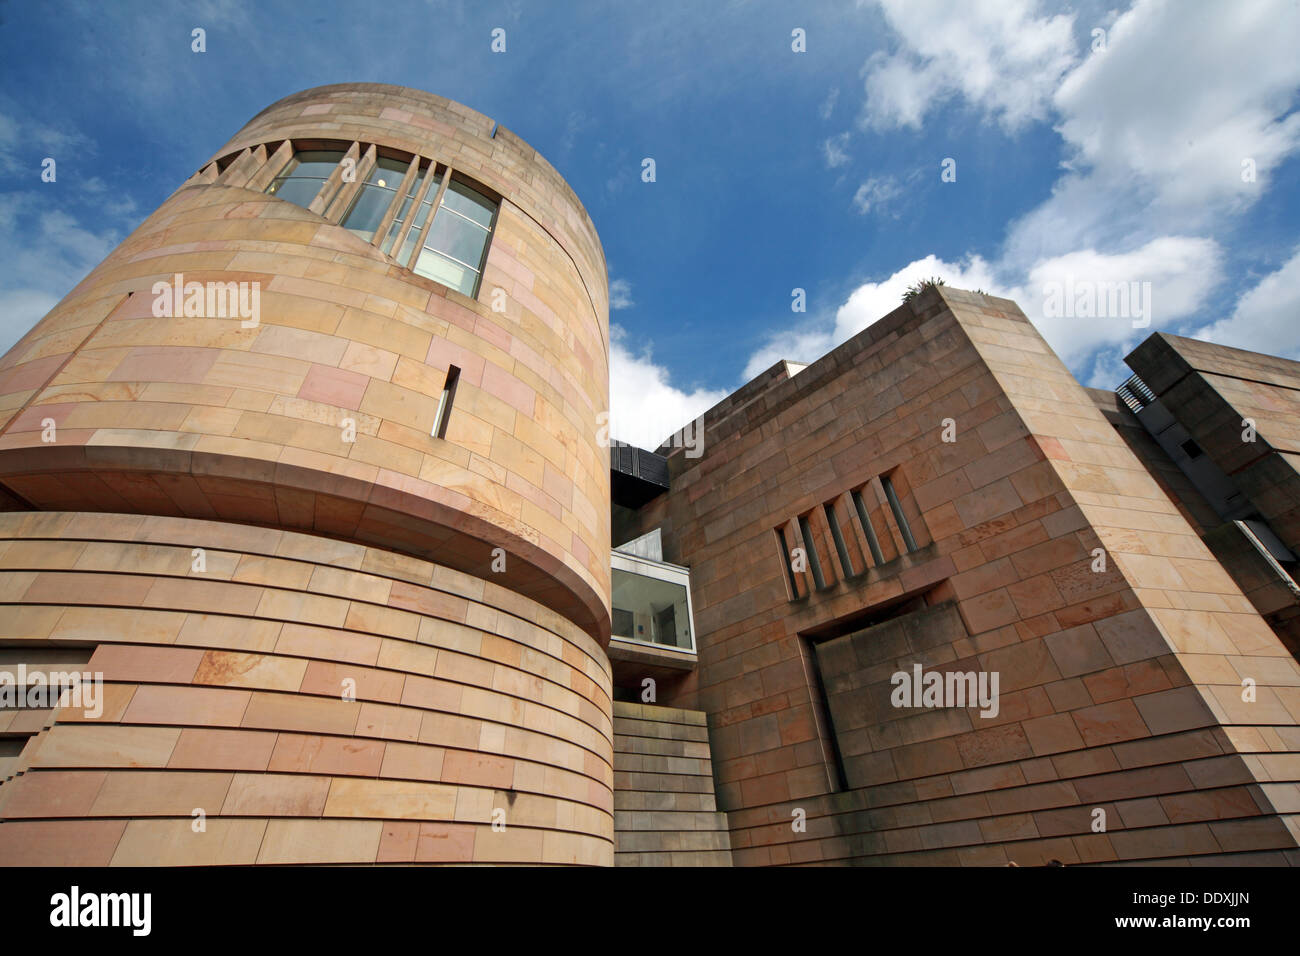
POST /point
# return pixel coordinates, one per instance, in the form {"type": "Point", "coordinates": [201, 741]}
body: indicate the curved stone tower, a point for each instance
{"type": "Point", "coordinates": [308, 469]}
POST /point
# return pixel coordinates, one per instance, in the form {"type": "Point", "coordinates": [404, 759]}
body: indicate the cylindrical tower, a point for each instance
{"type": "Point", "coordinates": [310, 470]}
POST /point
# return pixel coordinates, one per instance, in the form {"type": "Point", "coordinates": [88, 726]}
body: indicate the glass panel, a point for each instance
{"type": "Point", "coordinates": [647, 609]}
{"type": "Point", "coordinates": [441, 269]}
{"type": "Point", "coordinates": [469, 203]}
{"type": "Point", "coordinates": [400, 218]}
{"type": "Point", "coordinates": [319, 163]}
{"type": "Point", "coordinates": [364, 216]}
{"type": "Point", "coordinates": [306, 173]}
{"type": "Point", "coordinates": [458, 238]}
{"type": "Point", "coordinates": [388, 172]}
{"type": "Point", "coordinates": [298, 191]}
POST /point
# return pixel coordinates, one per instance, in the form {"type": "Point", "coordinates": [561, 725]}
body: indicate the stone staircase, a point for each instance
{"type": "Point", "coordinates": [664, 808]}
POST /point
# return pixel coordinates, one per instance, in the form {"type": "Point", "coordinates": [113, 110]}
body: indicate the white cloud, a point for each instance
{"type": "Point", "coordinates": [645, 408]}
{"type": "Point", "coordinates": [874, 300]}
{"type": "Point", "coordinates": [828, 105]}
{"type": "Point", "coordinates": [620, 294]}
{"type": "Point", "coordinates": [46, 252]}
{"type": "Point", "coordinates": [833, 149]}
{"type": "Point", "coordinates": [1266, 318]}
{"type": "Point", "coordinates": [876, 193]}
{"type": "Point", "coordinates": [1157, 125]}
{"type": "Point", "coordinates": [1183, 93]}
{"type": "Point", "coordinates": [1182, 272]}
{"type": "Point", "coordinates": [868, 302]}
{"type": "Point", "coordinates": [997, 54]}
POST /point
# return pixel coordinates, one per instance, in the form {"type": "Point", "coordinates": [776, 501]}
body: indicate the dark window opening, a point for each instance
{"type": "Point", "coordinates": [877, 557]}
{"type": "Point", "coordinates": [837, 536]}
{"type": "Point", "coordinates": [445, 401]}
{"type": "Point", "coordinates": [810, 550]}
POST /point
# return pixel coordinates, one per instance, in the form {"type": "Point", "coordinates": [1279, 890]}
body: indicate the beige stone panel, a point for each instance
{"type": "Point", "coordinates": [320, 841]}
{"type": "Point", "coordinates": [54, 555]}
{"type": "Point", "coordinates": [233, 669]}
{"type": "Point", "coordinates": [237, 633]}
{"type": "Point", "coordinates": [326, 644]}
{"type": "Point", "coordinates": [187, 706]}
{"type": "Point", "coordinates": [400, 799]}
{"type": "Point", "coordinates": [112, 704]}
{"type": "Point", "coordinates": [388, 621]}
{"type": "Point", "coordinates": [91, 745]}
{"type": "Point", "coordinates": [277, 572]}
{"type": "Point", "coordinates": [371, 361]}
{"type": "Point", "coordinates": [160, 793]}
{"type": "Point", "coordinates": [222, 750]}
{"type": "Point", "coordinates": [384, 333]}
{"type": "Point", "coordinates": [59, 842]}
{"type": "Point", "coordinates": [29, 623]}
{"type": "Point", "coordinates": [174, 843]}
{"type": "Point", "coordinates": [389, 722]}
{"type": "Point", "coordinates": [310, 714]}
{"type": "Point", "coordinates": [276, 795]}
{"type": "Point", "coordinates": [304, 608]}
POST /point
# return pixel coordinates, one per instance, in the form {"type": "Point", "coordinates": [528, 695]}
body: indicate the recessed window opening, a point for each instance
{"type": "Point", "coordinates": [877, 556]}
{"type": "Point", "coordinates": [785, 562]}
{"type": "Point", "coordinates": [814, 563]}
{"type": "Point", "coordinates": [444, 402]}
{"type": "Point", "coordinates": [838, 538]}
{"type": "Point", "coordinates": [305, 175]}
{"type": "Point", "coordinates": [897, 509]}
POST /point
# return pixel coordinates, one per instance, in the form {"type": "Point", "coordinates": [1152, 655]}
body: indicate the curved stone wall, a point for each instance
{"type": "Point", "coordinates": [225, 690]}
{"type": "Point", "coordinates": [202, 417]}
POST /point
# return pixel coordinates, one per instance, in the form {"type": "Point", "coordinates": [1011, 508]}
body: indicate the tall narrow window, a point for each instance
{"type": "Point", "coordinates": [897, 509]}
{"type": "Point", "coordinates": [814, 563]}
{"type": "Point", "coordinates": [877, 557]}
{"type": "Point", "coordinates": [444, 402]}
{"type": "Point", "coordinates": [840, 548]}
{"type": "Point", "coordinates": [305, 175]}
{"type": "Point", "coordinates": [419, 218]}
{"type": "Point", "coordinates": [404, 212]}
{"type": "Point", "coordinates": [375, 196]}
{"type": "Point", "coordinates": [457, 243]}
{"type": "Point", "coordinates": [785, 561]}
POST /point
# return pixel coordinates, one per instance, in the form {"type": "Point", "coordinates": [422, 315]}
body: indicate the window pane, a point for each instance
{"type": "Point", "coordinates": [440, 269]}
{"type": "Point", "coordinates": [647, 609]}
{"type": "Point", "coordinates": [469, 203]}
{"type": "Point", "coordinates": [314, 162]}
{"type": "Point", "coordinates": [400, 219]}
{"type": "Point", "coordinates": [303, 178]}
{"type": "Point", "coordinates": [457, 238]}
{"type": "Point", "coordinates": [364, 216]}
{"type": "Point", "coordinates": [298, 191]}
{"type": "Point", "coordinates": [388, 172]}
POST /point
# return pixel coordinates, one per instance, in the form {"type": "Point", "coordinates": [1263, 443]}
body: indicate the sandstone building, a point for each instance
{"type": "Point", "coordinates": [342, 555]}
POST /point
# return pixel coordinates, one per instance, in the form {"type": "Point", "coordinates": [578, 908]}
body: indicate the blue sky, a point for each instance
{"type": "Point", "coordinates": [776, 169]}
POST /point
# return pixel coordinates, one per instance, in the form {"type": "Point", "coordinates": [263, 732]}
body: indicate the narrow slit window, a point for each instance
{"type": "Point", "coordinates": [814, 563]}
{"type": "Point", "coordinates": [877, 557]}
{"type": "Point", "coordinates": [444, 402]}
{"type": "Point", "coordinates": [785, 562]}
{"type": "Point", "coordinates": [838, 538]}
{"type": "Point", "coordinates": [897, 509]}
